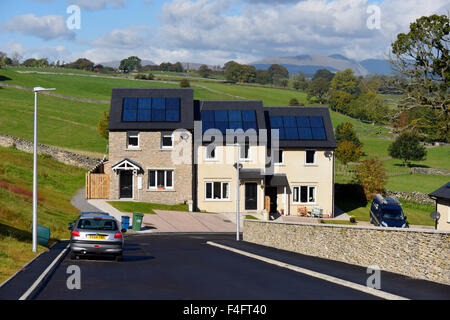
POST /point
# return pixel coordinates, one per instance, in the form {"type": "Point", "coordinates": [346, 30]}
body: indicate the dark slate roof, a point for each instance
{"type": "Point", "coordinates": [250, 174]}
{"type": "Point", "coordinates": [323, 112]}
{"type": "Point", "coordinates": [186, 96]}
{"type": "Point", "coordinates": [441, 193]}
{"type": "Point", "coordinates": [277, 180]}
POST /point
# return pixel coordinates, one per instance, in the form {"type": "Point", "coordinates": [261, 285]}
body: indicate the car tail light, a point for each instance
{"type": "Point", "coordinates": [118, 235]}
{"type": "Point", "coordinates": [75, 233]}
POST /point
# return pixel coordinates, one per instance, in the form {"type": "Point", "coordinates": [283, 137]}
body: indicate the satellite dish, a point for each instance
{"type": "Point", "coordinates": [435, 215]}
{"type": "Point", "coordinates": [328, 154]}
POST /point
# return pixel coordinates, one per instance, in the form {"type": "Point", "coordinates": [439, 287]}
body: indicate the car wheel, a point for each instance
{"type": "Point", "coordinates": [119, 258]}
{"type": "Point", "coordinates": [73, 256]}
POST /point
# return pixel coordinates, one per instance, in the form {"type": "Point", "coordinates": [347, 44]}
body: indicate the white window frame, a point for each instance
{"type": "Point", "coordinates": [164, 135]}
{"type": "Point", "coordinates": [156, 179]}
{"type": "Point", "coordinates": [282, 158]}
{"type": "Point", "coordinates": [315, 158]}
{"type": "Point", "coordinates": [221, 191]}
{"type": "Point", "coordinates": [249, 158]}
{"type": "Point", "coordinates": [133, 134]}
{"type": "Point", "coordinates": [307, 194]}
{"type": "Point", "coordinates": [207, 158]}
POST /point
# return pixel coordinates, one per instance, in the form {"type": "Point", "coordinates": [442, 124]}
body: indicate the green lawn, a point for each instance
{"type": "Point", "coordinates": [145, 207]}
{"type": "Point", "coordinates": [57, 183]}
{"type": "Point", "coordinates": [61, 122]}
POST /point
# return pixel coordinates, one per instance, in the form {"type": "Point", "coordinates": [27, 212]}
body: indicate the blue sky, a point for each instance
{"type": "Point", "coordinates": [206, 31]}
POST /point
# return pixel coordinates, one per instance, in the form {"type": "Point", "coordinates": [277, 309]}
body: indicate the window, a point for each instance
{"type": "Point", "coordinates": [211, 152]}
{"type": "Point", "coordinates": [132, 140]}
{"type": "Point", "coordinates": [217, 191]}
{"type": "Point", "coordinates": [166, 141]}
{"type": "Point", "coordinates": [161, 179]}
{"type": "Point", "coordinates": [310, 157]}
{"type": "Point", "coordinates": [244, 151]}
{"type": "Point", "coordinates": [304, 194]}
{"type": "Point", "coordinates": [280, 159]}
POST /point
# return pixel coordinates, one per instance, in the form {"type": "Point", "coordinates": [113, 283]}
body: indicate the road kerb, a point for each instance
{"type": "Point", "coordinates": [345, 283]}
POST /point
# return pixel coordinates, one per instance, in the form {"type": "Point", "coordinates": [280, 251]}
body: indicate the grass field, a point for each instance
{"type": "Point", "coordinates": [145, 207]}
{"type": "Point", "coordinates": [57, 183]}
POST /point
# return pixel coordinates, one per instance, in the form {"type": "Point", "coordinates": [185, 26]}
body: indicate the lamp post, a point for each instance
{"type": "Point", "coordinates": [36, 91]}
{"type": "Point", "coordinates": [238, 166]}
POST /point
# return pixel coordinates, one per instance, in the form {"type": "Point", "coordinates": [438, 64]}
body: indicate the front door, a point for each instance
{"type": "Point", "coordinates": [272, 193]}
{"type": "Point", "coordinates": [126, 184]}
{"type": "Point", "coordinates": [251, 196]}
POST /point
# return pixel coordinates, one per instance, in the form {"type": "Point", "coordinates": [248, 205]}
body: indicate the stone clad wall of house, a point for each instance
{"type": "Point", "coordinates": [298, 173]}
{"type": "Point", "coordinates": [423, 254]}
{"type": "Point", "coordinates": [150, 156]}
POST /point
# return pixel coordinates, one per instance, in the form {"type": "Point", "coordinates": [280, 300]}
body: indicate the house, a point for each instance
{"type": "Point", "coordinates": [442, 198]}
{"type": "Point", "coordinates": [166, 147]}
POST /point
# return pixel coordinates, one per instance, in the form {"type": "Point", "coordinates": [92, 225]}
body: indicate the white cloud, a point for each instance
{"type": "Point", "coordinates": [97, 4]}
{"type": "Point", "coordinates": [47, 27]}
{"type": "Point", "coordinates": [133, 37]}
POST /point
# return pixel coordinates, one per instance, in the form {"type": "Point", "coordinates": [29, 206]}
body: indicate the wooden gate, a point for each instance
{"type": "Point", "coordinates": [97, 186]}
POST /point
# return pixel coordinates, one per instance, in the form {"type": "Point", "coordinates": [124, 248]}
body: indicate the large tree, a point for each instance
{"type": "Point", "coordinates": [422, 56]}
{"type": "Point", "coordinates": [277, 72]}
{"type": "Point", "coordinates": [324, 73]}
{"type": "Point", "coordinates": [131, 64]}
{"type": "Point", "coordinates": [318, 88]}
{"type": "Point", "coordinates": [343, 89]}
{"type": "Point", "coordinates": [407, 147]}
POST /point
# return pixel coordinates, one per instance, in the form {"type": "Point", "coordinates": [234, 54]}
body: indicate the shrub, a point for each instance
{"type": "Point", "coordinates": [294, 102]}
{"type": "Point", "coordinates": [185, 83]}
{"type": "Point", "coordinates": [371, 175]}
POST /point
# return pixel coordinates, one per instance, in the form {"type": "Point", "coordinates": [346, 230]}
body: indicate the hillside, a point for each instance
{"type": "Point", "coordinates": [310, 63]}
{"type": "Point", "coordinates": [57, 183]}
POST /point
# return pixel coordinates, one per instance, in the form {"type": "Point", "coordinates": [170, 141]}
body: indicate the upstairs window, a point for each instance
{"type": "Point", "coordinates": [211, 152]}
{"type": "Point", "coordinates": [280, 159]}
{"type": "Point", "coordinates": [310, 157]}
{"type": "Point", "coordinates": [132, 140]}
{"type": "Point", "coordinates": [166, 141]}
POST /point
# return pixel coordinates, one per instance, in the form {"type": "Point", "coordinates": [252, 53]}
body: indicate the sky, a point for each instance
{"type": "Point", "coordinates": [205, 31]}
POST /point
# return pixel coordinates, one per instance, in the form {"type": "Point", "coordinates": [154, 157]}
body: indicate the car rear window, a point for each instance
{"type": "Point", "coordinates": [97, 224]}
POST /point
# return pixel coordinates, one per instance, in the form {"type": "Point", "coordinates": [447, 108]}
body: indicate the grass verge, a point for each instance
{"type": "Point", "coordinates": [146, 207]}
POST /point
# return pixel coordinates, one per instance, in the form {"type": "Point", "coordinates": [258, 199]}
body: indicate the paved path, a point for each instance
{"type": "Point", "coordinates": [172, 221]}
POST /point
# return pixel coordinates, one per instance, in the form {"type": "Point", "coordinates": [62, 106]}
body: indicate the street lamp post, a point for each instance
{"type": "Point", "coordinates": [238, 166]}
{"type": "Point", "coordinates": [36, 91]}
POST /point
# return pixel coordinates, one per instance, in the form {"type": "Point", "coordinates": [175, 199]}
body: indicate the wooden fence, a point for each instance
{"type": "Point", "coordinates": [97, 186]}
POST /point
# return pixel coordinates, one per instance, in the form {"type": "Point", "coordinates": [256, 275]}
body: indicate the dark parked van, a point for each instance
{"type": "Point", "coordinates": [387, 212]}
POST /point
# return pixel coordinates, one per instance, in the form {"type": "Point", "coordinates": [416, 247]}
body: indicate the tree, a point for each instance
{"type": "Point", "coordinates": [318, 88]}
{"type": "Point", "coordinates": [344, 132]}
{"type": "Point", "coordinates": [81, 64]}
{"type": "Point", "coordinates": [184, 83]}
{"type": "Point", "coordinates": [262, 77]}
{"type": "Point", "coordinates": [131, 64]}
{"type": "Point", "coordinates": [29, 62]}
{"type": "Point", "coordinates": [422, 56]}
{"type": "Point", "coordinates": [371, 175]}
{"type": "Point", "coordinates": [102, 126]}
{"type": "Point", "coordinates": [343, 90]}
{"type": "Point", "coordinates": [204, 71]}
{"type": "Point", "coordinates": [324, 73]}
{"type": "Point", "coordinates": [347, 151]}
{"type": "Point", "coordinates": [284, 83]}
{"type": "Point", "coordinates": [239, 72]}
{"type": "Point", "coordinates": [277, 72]}
{"type": "Point", "coordinates": [407, 147]}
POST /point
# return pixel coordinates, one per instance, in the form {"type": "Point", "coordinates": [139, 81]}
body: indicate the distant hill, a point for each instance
{"type": "Point", "coordinates": [309, 64]}
{"type": "Point", "coordinates": [116, 64]}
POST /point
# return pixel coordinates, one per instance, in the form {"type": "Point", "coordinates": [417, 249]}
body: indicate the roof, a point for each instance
{"type": "Point", "coordinates": [441, 193]}
{"type": "Point", "coordinates": [186, 96]}
{"type": "Point", "coordinates": [250, 174]}
{"type": "Point", "coordinates": [328, 143]}
{"type": "Point", "coordinates": [128, 165]}
{"type": "Point", "coordinates": [277, 180]}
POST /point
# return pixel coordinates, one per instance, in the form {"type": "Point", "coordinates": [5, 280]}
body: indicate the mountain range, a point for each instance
{"type": "Point", "coordinates": [310, 63]}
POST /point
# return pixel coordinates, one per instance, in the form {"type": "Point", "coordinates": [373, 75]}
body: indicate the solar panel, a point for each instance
{"type": "Point", "coordinates": [301, 127]}
{"type": "Point", "coordinates": [228, 119]}
{"type": "Point", "coordinates": [151, 109]}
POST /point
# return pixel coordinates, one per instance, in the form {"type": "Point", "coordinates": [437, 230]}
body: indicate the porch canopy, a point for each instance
{"type": "Point", "coordinates": [127, 164]}
{"type": "Point", "coordinates": [250, 174]}
{"type": "Point", "coordinates": [277, 180]}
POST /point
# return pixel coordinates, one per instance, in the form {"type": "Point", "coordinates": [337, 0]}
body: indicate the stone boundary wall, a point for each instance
{"type": "Point", "coordinates": [430, 171]}
{"type": "Point", "coordinates": [422, 254]}
{"type": "Point", "coordinates": [63, 156]}
{"type": "Point", "coordinates": [411, 196]}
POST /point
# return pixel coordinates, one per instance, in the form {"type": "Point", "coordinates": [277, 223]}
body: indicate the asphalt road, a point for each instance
{"type": "Point", "coordinates": [183, 266]}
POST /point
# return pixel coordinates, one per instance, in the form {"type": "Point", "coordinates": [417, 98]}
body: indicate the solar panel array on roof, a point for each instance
{"type": "Point", "coordinates": [228, 119]}
{"type": "Point", "coordinates": [299, 128]}
{"type": "Point", "coordinates": [151, 109]}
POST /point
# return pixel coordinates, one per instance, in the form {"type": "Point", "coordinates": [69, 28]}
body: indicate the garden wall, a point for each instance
{"type": "Point", "coordinates": [63, 156]}
{"type": "Point", "coordinates": [422, 254]}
